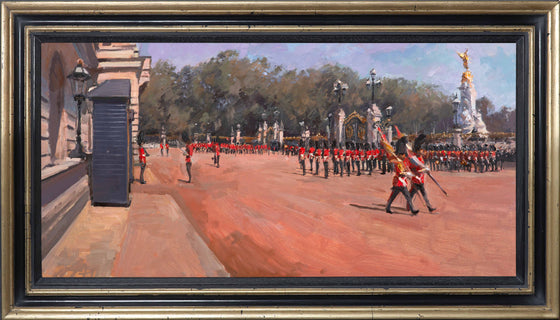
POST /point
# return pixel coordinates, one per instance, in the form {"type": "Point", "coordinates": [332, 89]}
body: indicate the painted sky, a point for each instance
{"type": "Point", "coordinates": [492, 64]}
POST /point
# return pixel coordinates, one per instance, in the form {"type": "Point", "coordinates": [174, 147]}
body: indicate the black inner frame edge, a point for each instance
{"type": "Point", "coordinates": [540, 145]}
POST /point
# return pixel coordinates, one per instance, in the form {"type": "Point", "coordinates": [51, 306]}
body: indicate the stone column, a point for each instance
{"type": "Point", "coordinates": [339, 117]}
{"type": "Point", "coordinates": [265, 133]}
{"type": "Point", "coordinates": [369, 126]}
{"type": "Point", "coordinates": [281, 133]}
{"type": "Point", "coordinates": [457, 139]}
{"type": "Point", "coordinates": [390, 133]}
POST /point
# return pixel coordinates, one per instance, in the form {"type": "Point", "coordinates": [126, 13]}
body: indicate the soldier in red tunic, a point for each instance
{"type": "Point", "coordinates": [418, 171]}
{"type": "Point", "coordinates": [217, 154]}
{"type": "Point", "coordinates": [356, 158]}
{"type": "Point", "coordinates": [400, 182]}
{"type": "Point", "coordinates": [318, 154]}
{"type": "Point", "coordinates": [302, 158]}
{"type": "Point", "coordinates": [326, 160]}
{"type": "Point", "coordinates": [161, 148]}
{"type": "Point", "coordinates": [383, 161]}
{"type": "Point", "coordinates": [188, 158]}
{"type": "Point", "coordinates": [348, 159]}
{"type": "Point", "coordinates": [142, 154]}
{"type": "Point", "coordinates": [310, 156]}
{"type": "Point", "coordinates": [341, 160]}
{"type": "Point", "coordinates": [335, 158]}
{"type": "Point", "coordinates": [167, 148]}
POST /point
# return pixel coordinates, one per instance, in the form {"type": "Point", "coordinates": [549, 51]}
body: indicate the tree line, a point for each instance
{"type": "Point", "coordinates": [218, 95]}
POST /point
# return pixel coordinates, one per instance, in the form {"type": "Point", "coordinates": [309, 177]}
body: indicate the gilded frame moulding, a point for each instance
{"type": "Point", "coordinates": [550, 310]}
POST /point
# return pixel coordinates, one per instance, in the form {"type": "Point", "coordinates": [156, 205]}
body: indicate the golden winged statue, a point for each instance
{"type": "Point", "coordinates": [465, 57]}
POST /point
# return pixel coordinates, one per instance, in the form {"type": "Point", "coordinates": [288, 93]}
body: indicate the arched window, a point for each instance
{"type": "Point", "coordinates": [56, 106]}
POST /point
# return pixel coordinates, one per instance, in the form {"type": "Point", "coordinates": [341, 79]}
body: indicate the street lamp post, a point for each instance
{"type": "Point", "coordinates": [339, 89]}
{"type": "Point", "coordinates": [329, 126]}
{"type": "Point", "coordinates": [78, 82]}
{"type": "Point", "coordinates": [389, 111]}
{"type": "Point", "coordinates": [371, 82]}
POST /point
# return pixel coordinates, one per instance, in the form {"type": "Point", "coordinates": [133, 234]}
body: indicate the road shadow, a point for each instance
{"type": "Point", "coordinates": [381, 207]}
{"type": "Point", "coordinates": [392, 207]}
{"type": "Point", "coordinates": [404, 209]}
{"type": "Point", "coordinates": [185, 181]}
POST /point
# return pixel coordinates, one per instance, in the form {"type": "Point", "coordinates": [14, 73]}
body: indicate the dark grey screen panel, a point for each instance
{"type": "Point", "coordinates": [110, 153]}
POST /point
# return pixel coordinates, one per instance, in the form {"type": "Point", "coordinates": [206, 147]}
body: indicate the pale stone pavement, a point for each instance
{"type": "Point", "coordinates": [152, 238]}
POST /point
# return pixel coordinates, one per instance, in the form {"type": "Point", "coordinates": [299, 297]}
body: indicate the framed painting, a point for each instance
{"type": "Point", "coordinates": [280, 159]}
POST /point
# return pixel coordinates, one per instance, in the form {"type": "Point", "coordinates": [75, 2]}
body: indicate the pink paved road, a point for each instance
{"type": "Point", "coordinates": [257, 216]}
{"type": "Point", "coordinates": [260, 217]}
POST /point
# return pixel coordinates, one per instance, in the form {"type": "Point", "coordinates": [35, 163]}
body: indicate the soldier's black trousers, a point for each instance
{"type": "Point", "coordinates": [395, 193]}
{"type": "Point", "coordinates": [317, 166]}
{"type": "Point", "coordinates": [341, 165]}
{"type": "Point", "coordinates": [142, 168]}
{"type": "Point", "coordinates": [326, 168]}
{"type": "Point", "coordinates": [420, 188]}
{"type": "Point", "coordinates": [189, 165]}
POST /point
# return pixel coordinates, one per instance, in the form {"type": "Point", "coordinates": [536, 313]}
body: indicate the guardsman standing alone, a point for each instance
{"type": "Point", "coordinates": [188, 158]}
{"type": "Point", "coordinates": [217, 154]}
{"type": "Point", "coordinates": [161, 148]}
{"type": "Point", "coordinates": [167, 148]}
{"type": "Point", "coordinates": [142, 154]}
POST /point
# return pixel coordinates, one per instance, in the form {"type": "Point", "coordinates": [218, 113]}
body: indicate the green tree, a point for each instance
{"type": "Point", "coordinates": [157, 102]}
{"type": "Point", "coordinates": [217, 95]}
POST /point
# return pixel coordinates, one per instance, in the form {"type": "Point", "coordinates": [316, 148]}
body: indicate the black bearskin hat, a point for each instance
{"type": "Point", "coordinates": [140, 138]}
{"type": "Point", "coordinates": [418, 142]}
{"type": "Point", "coordinates": [400, 147]}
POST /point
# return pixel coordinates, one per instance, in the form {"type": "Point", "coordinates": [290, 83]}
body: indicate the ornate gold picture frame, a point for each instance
{"type": "Point", "coordinates": [532, 294]}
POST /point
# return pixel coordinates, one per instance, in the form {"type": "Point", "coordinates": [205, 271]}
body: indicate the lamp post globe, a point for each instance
{"type": "Point", "coordinates": [389, 111]}
{"type": "Point", "coordinates": [372, 83]}
{"type": "Point", "coordinates": [339, 89]}
{"type": "Point", "coordinates": [79, 84]}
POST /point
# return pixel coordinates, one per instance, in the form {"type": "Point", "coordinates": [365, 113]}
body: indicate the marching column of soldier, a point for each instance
{"type": "Point", "coordinates": [473, 158]}
{"type": "Point", "coordinates": [409, 165]}
{"type": "Point", "coordinates": [363, 158]}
